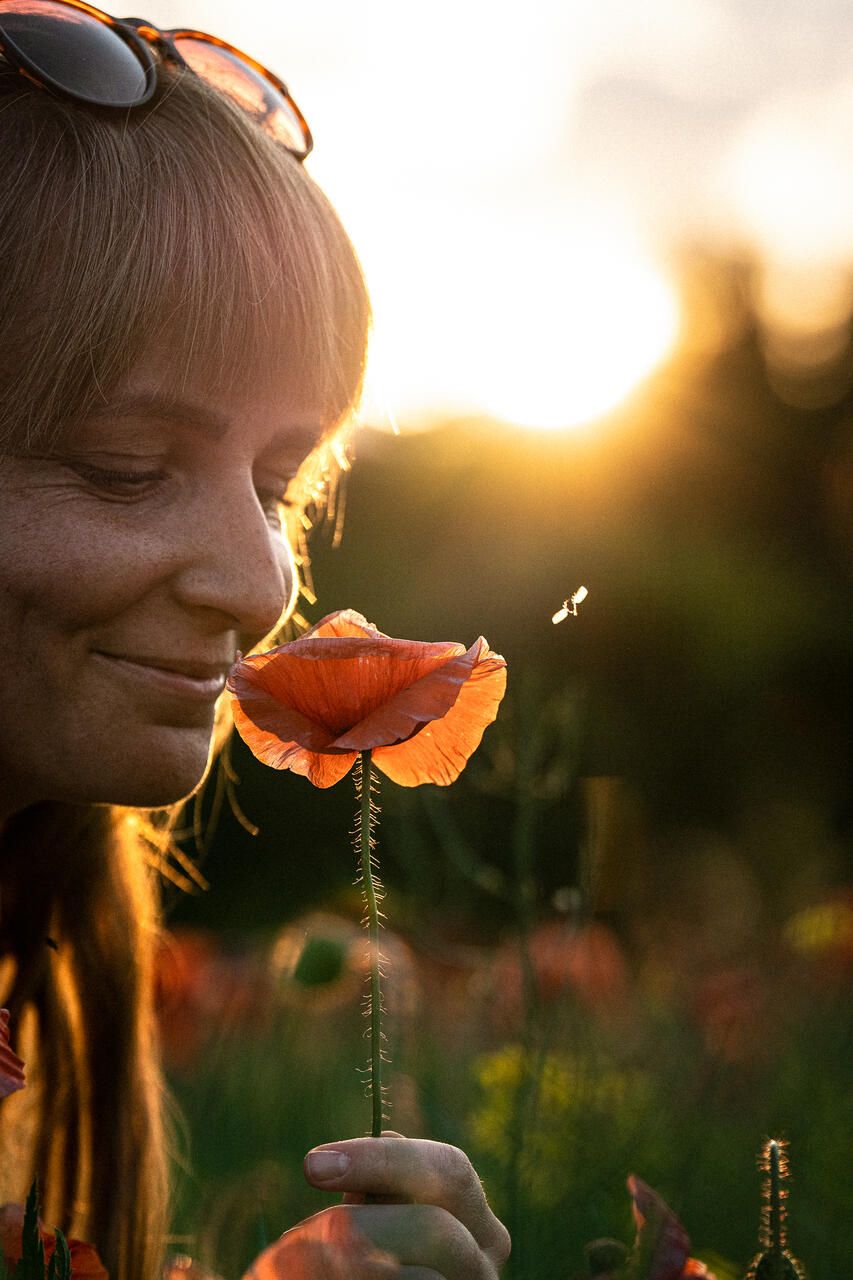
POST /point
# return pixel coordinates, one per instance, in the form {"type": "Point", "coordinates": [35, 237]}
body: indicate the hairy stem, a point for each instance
{"type": "Point", "coordinates": [372, 906]}
{"type": "Point", "coordinates": [775, 1199]}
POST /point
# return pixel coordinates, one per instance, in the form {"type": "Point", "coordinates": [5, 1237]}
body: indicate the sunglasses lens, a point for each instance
{"type": "Point", "coordinates": [248, 88]}
{"type": "Point", "coordinates": [74, 51]}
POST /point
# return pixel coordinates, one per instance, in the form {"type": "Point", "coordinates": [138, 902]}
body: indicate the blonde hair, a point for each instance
{"type": "Point", "coordinates": [179, 221]}
{"type": "Point", "coordinates": [182, 220]}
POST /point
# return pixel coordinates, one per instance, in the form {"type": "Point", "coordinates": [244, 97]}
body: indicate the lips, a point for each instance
{"type": "Point", "coordinates": [196, 669]}
{"type": "Point", "coordinates": [196, 679]}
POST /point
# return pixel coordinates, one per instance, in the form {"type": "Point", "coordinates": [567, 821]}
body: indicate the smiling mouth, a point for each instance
{"type": "Point", "coordinates": [200, 681]}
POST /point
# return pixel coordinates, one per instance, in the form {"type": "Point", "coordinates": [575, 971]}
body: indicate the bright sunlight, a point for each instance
{"type": "Point", "coordinates": [549, 330]}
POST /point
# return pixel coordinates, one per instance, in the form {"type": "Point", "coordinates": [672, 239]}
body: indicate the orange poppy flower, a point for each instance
{"type": "Point", "coordinates": [313, 705]}
{"type": "Point", "coordinates": [11, 1066]}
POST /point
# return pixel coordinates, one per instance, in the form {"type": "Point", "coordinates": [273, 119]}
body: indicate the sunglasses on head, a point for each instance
{"type": "Point", "coordinates": [74, 49]}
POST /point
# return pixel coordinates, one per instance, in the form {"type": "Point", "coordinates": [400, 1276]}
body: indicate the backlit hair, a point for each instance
{"type": "Point", "coordinates": [181, 221]}
{"type": "Point", "coordinates": [178, 222]}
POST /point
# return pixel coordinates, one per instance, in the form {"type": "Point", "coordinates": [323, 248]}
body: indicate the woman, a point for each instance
{"type": "Point", "coordinates": [182, 334]}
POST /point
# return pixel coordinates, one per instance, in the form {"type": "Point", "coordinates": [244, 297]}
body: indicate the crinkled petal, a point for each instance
{"type": "Point", "coordinates": [443, 747]}
{"type": "Point", "coordinates": [312, 705]}
{"type": "Point", "coordinates": [429, 698]}
{"type": "Point", "coordinates": [323, 770]}
{"type": "Point", "coordinates": [323, 767]}
{"type": "Point", "coordinates": [343, 622]}
{"type": "Point", "coordinates": [267, 726]}
{"type": "Point", "coordinates": [336, 683]}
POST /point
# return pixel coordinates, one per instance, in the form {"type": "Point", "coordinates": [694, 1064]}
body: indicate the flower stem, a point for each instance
{"type": "Point", "coordinates": [775, 1220]}
{"type": "Point", "coordinates": [372, 904]}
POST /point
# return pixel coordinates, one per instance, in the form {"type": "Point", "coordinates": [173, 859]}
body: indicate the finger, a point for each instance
{"type": "Point", "coordinates": [426, 1236]}
{"type": "Point", "coordinates": [373, 1198]}
{"type": "Point", "coordinates": [414, 1169]}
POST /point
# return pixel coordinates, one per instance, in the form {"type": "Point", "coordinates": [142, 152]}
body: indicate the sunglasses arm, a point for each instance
{"type": "Point", "coordinates": [157, 40]}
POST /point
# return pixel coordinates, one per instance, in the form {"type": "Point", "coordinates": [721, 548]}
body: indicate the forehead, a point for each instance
{"type": "Point", "coordinates": [263, 379]}
{"type": "Point", "coordinates": [166, 386]}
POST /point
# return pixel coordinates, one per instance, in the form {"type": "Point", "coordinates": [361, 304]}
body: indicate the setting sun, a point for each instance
{"type": "Point", "coordinates": [544, 331]}
{"type": "Point", "coordinates": [590, 324]}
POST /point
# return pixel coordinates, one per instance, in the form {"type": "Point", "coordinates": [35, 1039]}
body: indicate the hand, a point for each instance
{"type": "Point", "coordinates": [432, 1221]}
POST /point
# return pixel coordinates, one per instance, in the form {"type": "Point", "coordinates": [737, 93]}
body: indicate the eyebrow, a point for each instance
{"type": "Point", "coordinates": [200, 417]}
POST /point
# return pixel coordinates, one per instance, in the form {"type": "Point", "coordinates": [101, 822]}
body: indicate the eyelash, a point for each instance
{"type": "Point", "coordinates": [272, 501]}
{"type": "Point", "coordinates": [112, 481]}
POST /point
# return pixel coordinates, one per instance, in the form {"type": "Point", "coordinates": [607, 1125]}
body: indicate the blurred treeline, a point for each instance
{"type": "Point", "coordinates": [709, 670]}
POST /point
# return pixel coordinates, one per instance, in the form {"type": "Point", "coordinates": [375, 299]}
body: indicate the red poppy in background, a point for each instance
{"type": "Point", "coordinates": [85, 1262]}
{"type": "Point", "coordinates": [202, 989]}
{"type": "Point", "coordinates": [662, 1246]}
{"type": "Point", "coordinates": [586, 960]}
{"type": "Point", "coordinates": [313, 705]}
{"type": "Point", "coordinates": [11, 1066]}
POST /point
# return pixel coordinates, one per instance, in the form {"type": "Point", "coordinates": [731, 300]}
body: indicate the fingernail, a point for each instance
{"type": "Point", "coordinates": [326, 1165]}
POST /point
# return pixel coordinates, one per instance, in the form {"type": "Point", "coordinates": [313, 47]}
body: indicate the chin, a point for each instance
{"type": "Point", "coordinates": [154, 793]}
{"type": "Point", "coordinates": [154, 779]}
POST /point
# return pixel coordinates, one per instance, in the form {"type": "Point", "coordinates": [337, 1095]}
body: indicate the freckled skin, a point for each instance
{"type": "Point", "coordinates": [192, 565]}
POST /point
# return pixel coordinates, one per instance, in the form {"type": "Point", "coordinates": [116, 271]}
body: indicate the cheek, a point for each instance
{"type": "Point", "coordinates": [69, 577]}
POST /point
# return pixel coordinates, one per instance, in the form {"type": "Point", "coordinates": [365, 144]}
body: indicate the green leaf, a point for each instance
{"type": "Point", "coordinates": [60, 1263]}
{"type": "Point", "coordinates": [31, 1264]}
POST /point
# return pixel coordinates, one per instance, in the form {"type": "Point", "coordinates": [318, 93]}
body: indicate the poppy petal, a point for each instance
{"type": "Point", "coordinates": [439, 753]}
{"type": "Point", "coordinates": [260, 729]}
{"type": "Point", "coordinates": [268, 725]}
{"type": "Point", "coordinates": [11, 1066]}
{"type": "Point", "coordinates": [84, 1257]}
{"type": "Point", "coordinates": [345, 687]}
{"type": "Point", "coordinates": [428, 698]}
{"type": "Point", "coordinates": [696, 1270]}
{"type": "Point", "coordinates": [662, 1245]}
{"type": "Point", "coordinates": [323, 770]}
{"type": "Point", "coordinates": [84, 1260]}
{"type": "Point", "coordinates": [343, 622]}
{"type": "Point", "coordinates": [337, 683]}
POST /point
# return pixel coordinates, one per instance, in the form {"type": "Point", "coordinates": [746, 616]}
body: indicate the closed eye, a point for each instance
{"type": "Point", "coordinates": [115, 481]}
{"type": "Point", "coordinates": [276, 505]}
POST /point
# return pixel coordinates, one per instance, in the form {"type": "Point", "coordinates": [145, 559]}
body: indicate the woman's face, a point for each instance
{"type": "Point", "coordinates": [134, 561]}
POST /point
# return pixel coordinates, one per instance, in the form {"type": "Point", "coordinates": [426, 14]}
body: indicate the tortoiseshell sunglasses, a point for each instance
{"type": "Point", "coordinates": [72, 48]}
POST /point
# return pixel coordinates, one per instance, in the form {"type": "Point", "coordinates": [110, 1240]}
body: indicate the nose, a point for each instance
{"type": "Point", "coordinates": [238, 566]}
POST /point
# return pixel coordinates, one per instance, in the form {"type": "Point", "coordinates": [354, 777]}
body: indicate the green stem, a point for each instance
{"type": "Point", "coordinates": [372, 904]}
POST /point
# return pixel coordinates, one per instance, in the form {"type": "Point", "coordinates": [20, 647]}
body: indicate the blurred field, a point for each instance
{"type": "Point", "coordinates": [623, 941]}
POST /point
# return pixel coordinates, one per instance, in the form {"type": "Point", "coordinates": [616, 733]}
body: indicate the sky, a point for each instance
{"type": "Point", "coordinates": [517, 179]}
